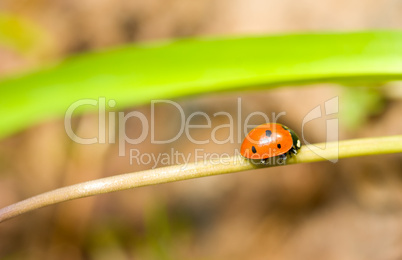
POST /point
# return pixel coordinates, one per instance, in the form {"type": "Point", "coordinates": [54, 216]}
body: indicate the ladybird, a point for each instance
{"type": "Point", "coordinates": [270, 140]}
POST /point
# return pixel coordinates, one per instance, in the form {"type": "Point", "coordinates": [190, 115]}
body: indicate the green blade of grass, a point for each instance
{"type": "Point", "coordinates": [133, 75]}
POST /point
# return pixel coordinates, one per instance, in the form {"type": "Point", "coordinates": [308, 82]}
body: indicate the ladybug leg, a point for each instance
{"type": "Point", "coordinates": [293, 150]}
{"type": "Point", "coordinates": [265, 161]}
{"type": "Point", "coordinates": [282, 158]}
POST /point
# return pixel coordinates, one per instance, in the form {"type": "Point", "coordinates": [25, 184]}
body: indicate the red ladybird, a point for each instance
{"type": "Point", "coordinates": [270, 140]}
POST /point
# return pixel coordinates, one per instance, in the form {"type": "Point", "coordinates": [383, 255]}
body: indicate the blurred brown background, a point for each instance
{"type": "Point", "coordinates": [347, 210]}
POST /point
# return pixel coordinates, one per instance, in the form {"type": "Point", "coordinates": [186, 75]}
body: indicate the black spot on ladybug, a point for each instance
{"type": "Point", "coordinates": [278, 145]}
{"type": "Point", "coordinates": [253, 149]}
{"type": "Point", "coordinates": [268, 133]}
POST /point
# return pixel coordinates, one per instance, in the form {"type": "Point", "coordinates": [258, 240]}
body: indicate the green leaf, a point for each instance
{"type": "Point", "coordinates": [135, 74]}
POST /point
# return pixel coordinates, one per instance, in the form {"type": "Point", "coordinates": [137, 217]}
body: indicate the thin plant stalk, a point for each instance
{"type": "Point", "coordinates": [309, 153]}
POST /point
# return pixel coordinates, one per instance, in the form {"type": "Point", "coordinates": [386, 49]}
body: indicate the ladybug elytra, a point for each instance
{"type": "Point", "coordinates": [270, 140]}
